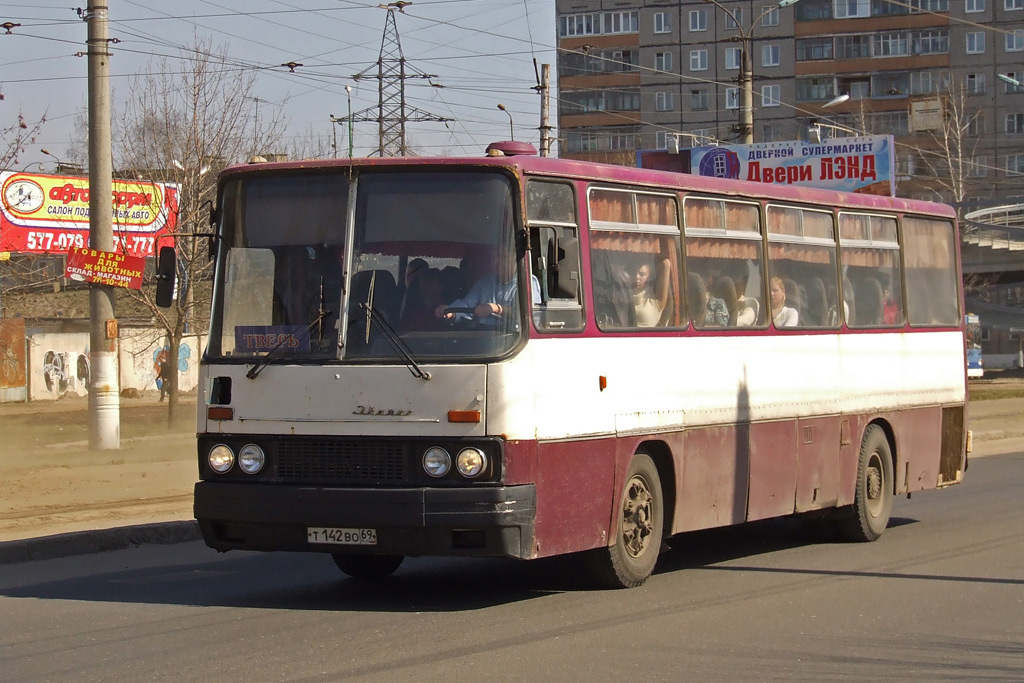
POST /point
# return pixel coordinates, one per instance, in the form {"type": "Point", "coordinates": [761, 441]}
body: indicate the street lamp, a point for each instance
{"type": "Point", "coordinates": [51, 154]}
{"type": "Point", "coordinates": [511, 129]}
{"type": "Point", "coordinates": [746, 79]}
{"type": "Point", "coordinates": [1009, 79]}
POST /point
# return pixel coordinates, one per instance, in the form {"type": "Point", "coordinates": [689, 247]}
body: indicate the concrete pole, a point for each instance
{"type": "Point", "coordinates": [746, 93]}
{"type": "Point", "coordinates": [545, 110]}
{"type": "Point", "coordinates": [104, 399]}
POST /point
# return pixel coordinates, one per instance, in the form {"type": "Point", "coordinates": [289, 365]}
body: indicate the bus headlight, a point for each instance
{"type": "Point", "coordinates": [251, 458]}
{"type": "Point", "coordinates": [471, 462]}
{"type": "Point", "coordinates": [436, 461]}
{"type": "Point", "coordinates": [221, 458]}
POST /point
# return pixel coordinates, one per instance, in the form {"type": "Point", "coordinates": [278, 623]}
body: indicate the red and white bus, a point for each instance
{"type": "Point", "coordinates": [521, 356]}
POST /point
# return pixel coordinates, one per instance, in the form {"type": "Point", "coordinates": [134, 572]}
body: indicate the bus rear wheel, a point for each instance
{"type": "Point", "coordinates": [367, 567]}
{"type": "Point", "coordinates": [868, 517]}
{"type": "Point", "coordinates": [639, 528]}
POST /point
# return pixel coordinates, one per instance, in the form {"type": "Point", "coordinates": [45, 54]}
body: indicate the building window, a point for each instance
{"type": "Point", "coordinates": [732, 98]}
{"type": "Point", "coordinates": [976, 124]}
{"type": "Point", "coordinates": [699, 100]}
{"type": "Point", "coordinates": [1015, 164]}
{"type": "Point", "coordinates": [972, 6]}
{"type": "Point", "coordinates": [811, 49]}
{"type": "Point", "coordinates": [621, 141]}
{"type": "Point", "coordinates": [891, 44]}
{"type": "Point", "coordinates": [699, 19]}
{"type": "Point", "coordinates": [598, 23]}
{"type": "Point", "coordinates": [663, 61]}
{"type": "Point", "coordinates": [933, 42]}
{"type": "Point", "coordinates": [770, 132]}
{"type": "Point", "coordinates": [849, 9]}
{"type": "Point", "coordinates": [771, 17]}
{"type": "Point", "coordinates": [1010, 5]}
{"type": "Point", "coordinates": [853, 46]}
{"type": "Point", "coordinates": [815, 89]}
{"type": "Point", "coordinates": [698, 60]}
{"type": "Point", "coordinates": [1015, 40]}
{"type": "Point", "coordinates": [662, 22]}
{"type": "Point", "coordinates": [978, 167]}
{"type": "Point", "coordinates": [663, 101]}
{"type": "Point", "coordinates": [660, 140]}
{"type": "Point", "coordinates": [732, 57]}
{"type": "Point", "coordinates": [975, 42]}
{"type": "Point", "coordinates": [975, 84]}
{"type": "Point", "coordinates": [771, 95]}
{"type": "Point", "coordinates": [770, 55]}
{"type": "Point", "coordinates": [597, 61]}
{"type": "Point", "coordinates": [1014, 123]}
{"type": "Point", "coordinates": [734, 18]}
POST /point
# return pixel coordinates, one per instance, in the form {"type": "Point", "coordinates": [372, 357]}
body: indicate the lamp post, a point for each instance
{"type": "Point", "coordinates": [348, 93]}
{"type": "Point", "coordinates": [51, 154]}
{"type": "Point", "coordinates": [334, 130]}
{"type": "Point", "coordinates": [746, 78]}
{"type": "Point", "coordinates": [511, 129]}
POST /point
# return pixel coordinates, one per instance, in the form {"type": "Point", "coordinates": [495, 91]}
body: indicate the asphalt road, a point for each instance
{"type": "Point", "coordinates": [939, 597]}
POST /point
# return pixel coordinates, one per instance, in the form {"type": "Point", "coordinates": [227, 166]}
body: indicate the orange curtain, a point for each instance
{"type": "Point", "coordinates": [802, 253]}
{"type": "Point", "coordinates": [636, 243]}
{"type": "Point", "coordinates": [656, 210]}
{"type": "Point", "coordinates": [714, 247]}
{"type": "Point", "coordinates": [928, 243]}
{"type": "Point", "coordinates": [613, 207]}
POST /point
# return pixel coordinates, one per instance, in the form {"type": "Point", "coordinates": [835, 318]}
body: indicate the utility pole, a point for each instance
{"type": "Point", "coordinates": [392, 112]}
{"type": "Point", "coordinates": [104, 398]}
{"type": "Point", "coordinates": [543, 88]}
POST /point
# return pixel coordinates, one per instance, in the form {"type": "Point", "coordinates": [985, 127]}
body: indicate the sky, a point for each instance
{"type": "Point", "coordinates": [481, 52]}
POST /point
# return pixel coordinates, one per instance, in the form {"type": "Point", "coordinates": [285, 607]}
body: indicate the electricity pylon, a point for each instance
{"type": "Point", "coordinates": [392, 111]}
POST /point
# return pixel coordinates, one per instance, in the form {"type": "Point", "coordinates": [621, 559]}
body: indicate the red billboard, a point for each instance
{"type": "Point", "coordinates": [49, 214]}
{"type": "Point", "coordinates": [105, 267]}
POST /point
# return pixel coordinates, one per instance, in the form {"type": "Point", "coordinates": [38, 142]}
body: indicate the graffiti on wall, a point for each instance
{"type": "Point", "coordinates": [63, 371]}
{"type": "Point", "coordinates": [12, 353]}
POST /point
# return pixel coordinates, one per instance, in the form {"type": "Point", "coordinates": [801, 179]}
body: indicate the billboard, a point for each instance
{"type": "Point", "coordinates": [105, 267]}
{"type": "Point", "coordinates": [862, 164]}
{"type": "Point", "coordinates": [49, 214]}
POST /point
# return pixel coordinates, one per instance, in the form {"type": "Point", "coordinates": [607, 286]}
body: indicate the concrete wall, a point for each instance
{"type": "Point", "coordinates": [58, 363]}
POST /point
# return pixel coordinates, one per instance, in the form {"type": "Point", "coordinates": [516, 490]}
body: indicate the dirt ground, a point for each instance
{"type": "Point", "coordinates": [51, 483]}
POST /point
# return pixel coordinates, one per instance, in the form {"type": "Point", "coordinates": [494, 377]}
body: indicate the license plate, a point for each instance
{"type": "Point", "coordinates": [336, 536]}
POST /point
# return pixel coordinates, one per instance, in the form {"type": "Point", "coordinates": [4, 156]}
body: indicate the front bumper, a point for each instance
{"type": "Point", "coordinates": [479, 521]}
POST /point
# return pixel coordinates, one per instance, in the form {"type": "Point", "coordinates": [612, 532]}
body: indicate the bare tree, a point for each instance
{"type": "Point", "coordinates": [954, 143]}
{"type": "Point", "coordinates": [184, 121]}
{"type": "Point", "coordinates": [15, 137]}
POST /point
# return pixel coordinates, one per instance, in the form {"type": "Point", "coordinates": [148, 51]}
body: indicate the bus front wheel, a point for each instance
{"type": "Point", "coordinates": [367, 567]}
{"type": "Point", "coordinates": [868, 517]}
{"type": "Point", "coordinates": [638, 530]}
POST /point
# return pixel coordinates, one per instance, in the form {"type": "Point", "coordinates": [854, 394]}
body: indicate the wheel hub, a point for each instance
{"type": "Point", "coordinates": [637, 517]}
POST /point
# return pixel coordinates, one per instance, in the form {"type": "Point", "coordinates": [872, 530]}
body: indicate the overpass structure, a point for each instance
{"type": "Point", "coordinates": [992, 251]}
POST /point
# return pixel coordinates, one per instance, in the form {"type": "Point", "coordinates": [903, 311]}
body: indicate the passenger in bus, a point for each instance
{"type": "Point", "coordinates": [430, 285]}
{"type": "Point", "coordinates": [649, 301]}
{"type": "Point", "coordinates": [494, 295]}
{"type": "Point", "coordinates": [707, 310]}
{"type": "Point", "coordinates": [411, 286]}
{"type": "Point", "coordinates": [782, 315]}
{"type": "Point", "coordinates": [747, 307]}
{"type": "Point", "coordinates": [724, 289]}
{"type": "Point", "coordinates": [890, 309]}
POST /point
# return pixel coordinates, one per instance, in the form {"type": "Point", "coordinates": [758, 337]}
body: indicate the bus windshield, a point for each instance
{"type": "Point", "coordinates": [432, 272]}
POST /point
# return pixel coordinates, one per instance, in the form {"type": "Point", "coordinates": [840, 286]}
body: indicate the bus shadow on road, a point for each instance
{"type": "Point", "coordinates": [311, 582]}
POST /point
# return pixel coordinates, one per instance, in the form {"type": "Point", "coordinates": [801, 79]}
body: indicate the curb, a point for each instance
{"type": "Point", "coordinates": [100, 540]}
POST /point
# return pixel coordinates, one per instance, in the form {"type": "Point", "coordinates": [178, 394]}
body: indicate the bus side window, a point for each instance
{"type": "Point", "coordinates": [555, 261]}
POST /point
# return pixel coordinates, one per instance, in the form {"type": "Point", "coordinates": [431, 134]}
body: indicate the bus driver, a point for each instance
{"type": "Point", "coordinates": [493, 295]}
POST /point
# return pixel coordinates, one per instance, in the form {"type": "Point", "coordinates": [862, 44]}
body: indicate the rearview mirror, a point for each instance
{"type": "Point", "coordinates": [166, 268]}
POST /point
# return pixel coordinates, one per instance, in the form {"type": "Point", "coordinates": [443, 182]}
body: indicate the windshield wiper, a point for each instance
{"type": "Point", "coordinates": [391, 337]}
{"type": "Point", "coordinates": [318, 319]}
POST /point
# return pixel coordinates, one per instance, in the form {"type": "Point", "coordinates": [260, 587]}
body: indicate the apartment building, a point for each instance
{"type": "Point", "coordinates": [634, 74]}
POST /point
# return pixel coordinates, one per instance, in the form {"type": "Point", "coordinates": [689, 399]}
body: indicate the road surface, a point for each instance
{"type": "Point", "coordinates": [939, 597]}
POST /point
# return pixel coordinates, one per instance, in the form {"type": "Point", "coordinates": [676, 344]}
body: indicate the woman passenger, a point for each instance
{"type": "Point", "coordinates": [782, 315]}
{"type": "Point", "coordinates": [648, 301]}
